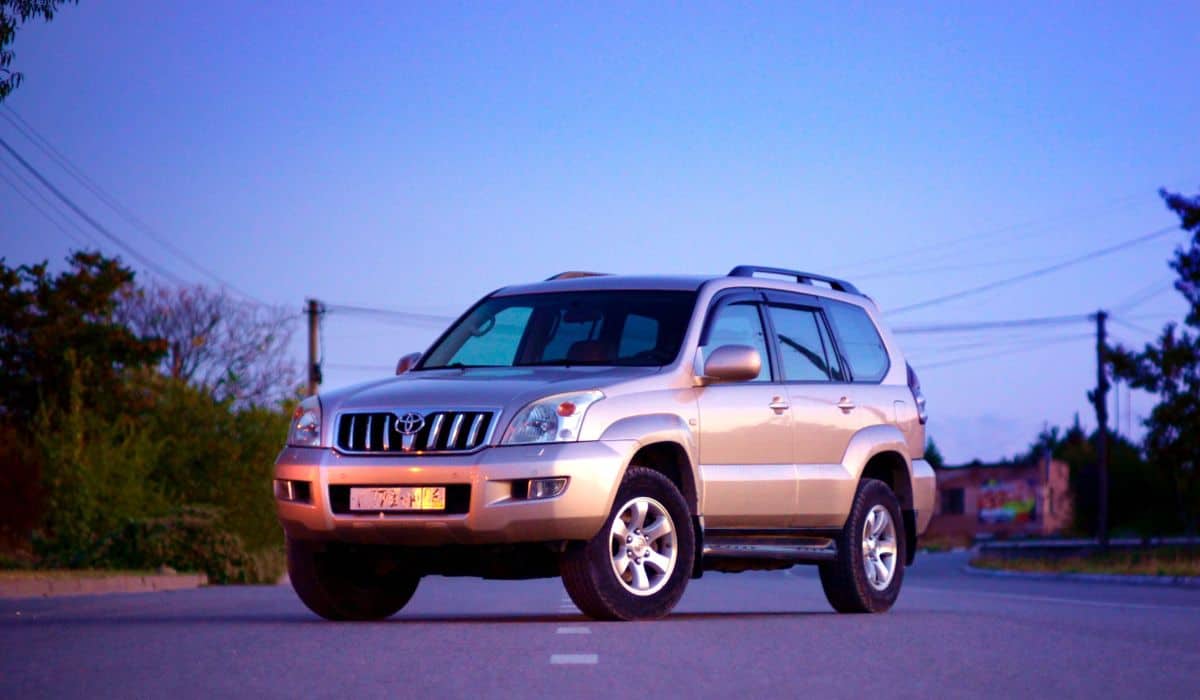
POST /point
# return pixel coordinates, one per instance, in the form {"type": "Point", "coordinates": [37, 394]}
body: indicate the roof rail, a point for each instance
{"type": "Point", "coordinates": [575, 274]}
{"type": "Point", "coordinates": [801, 277]}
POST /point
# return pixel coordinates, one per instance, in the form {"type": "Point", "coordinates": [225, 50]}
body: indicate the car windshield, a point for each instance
{"type": "Point", "coordinates": [623, 328]}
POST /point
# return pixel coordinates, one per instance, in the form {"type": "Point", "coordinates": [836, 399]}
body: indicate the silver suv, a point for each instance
{"type": "Point", "coordinates": [625, 433]}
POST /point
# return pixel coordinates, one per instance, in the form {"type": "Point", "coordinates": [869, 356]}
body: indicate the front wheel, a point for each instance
{"type": "Point", "coordinates": [866, 576]}
{"type": "Point", "coordinates": [343, 583]}
{"type": "Point", "coordinates": [638, 565]}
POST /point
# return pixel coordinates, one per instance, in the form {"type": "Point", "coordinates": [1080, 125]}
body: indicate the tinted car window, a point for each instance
{"type": "Point", "coordinates": [497, 344]}
{"type": "Point", "coordinates": [804, 352]}
{"type": "Point", "coordinates": [639, 334]}
{"type": "Point", "coordinates": [740, 324]}
{"type": "Point", "coordinates": [859, 340]}
{"type": "Point", "coordinates": [613, 327]}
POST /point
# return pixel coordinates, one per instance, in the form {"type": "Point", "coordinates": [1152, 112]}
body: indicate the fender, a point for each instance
{"type": "Point", "coordinates": [654, 428]}
{"type": "Point", "coordinates": [871, 441]}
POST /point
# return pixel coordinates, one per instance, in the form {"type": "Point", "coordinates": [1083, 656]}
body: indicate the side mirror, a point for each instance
{"type": "Point", "coordinates": [733, 363]}
{"type": "Point", "coordinates": [407, 362]}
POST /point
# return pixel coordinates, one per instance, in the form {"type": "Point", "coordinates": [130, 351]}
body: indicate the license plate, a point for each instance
{"type": "Point", "coordinates": [386, 498]}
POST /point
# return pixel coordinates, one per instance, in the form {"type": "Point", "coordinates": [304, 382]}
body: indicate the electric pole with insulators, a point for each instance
{"type": "Point", "coordinates": [1100, 399]}
{"type": "Point", "coordinates": [314, 311]}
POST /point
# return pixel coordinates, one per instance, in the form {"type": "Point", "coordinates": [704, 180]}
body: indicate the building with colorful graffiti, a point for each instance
{"type": "Point", "coordinates": [1003, 500]}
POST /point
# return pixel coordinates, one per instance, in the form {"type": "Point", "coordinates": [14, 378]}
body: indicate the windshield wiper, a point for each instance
{"type": "Point", "coordinates": [454, 365]}
{"type": "Point", "coordinates": [564, 363]}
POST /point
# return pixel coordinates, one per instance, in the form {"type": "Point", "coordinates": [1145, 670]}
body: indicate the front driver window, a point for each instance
{"type": "Point", "coordinates": [739, 324]}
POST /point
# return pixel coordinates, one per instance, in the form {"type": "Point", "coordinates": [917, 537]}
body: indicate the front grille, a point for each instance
{"type": "Point", "coordinates": [441, 431]}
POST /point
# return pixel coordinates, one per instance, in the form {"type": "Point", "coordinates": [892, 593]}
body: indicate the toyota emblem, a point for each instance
{"type": "Point", "coordinates": [410, 423]}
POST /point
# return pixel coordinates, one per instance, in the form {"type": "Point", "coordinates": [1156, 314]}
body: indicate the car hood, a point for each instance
{"type": "Point", "coordinates": [499, 388]}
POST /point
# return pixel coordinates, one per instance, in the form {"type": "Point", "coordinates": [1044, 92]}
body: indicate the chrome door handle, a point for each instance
{"type": "Point", "coordinates": [845, 404]}
{"type": "Point", "coordinates": [778, 405]}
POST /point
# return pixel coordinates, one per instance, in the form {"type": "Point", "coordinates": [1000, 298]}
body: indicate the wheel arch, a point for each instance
{"type": "Point", "coordinates": [881, 452]}
{"type": "Point", "coordinates": [664, 443]}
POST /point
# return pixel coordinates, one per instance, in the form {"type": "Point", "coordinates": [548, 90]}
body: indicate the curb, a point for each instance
{"type": "Point", "coordinates": [55, 587]}
{"type": "Point", "coordinates": [1118, 579]}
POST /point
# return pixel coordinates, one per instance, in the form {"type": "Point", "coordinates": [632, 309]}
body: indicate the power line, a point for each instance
{"type": "Point", "coordinates": [942, 245]}
{"type": "Point", "coordinates": [1133, 326]}
{"type": "Point", "coordinates": [77, 237]}
{"type": "Point", "coordinates": [1036, 273]}
{"type": "Point", "coordinates": [907, 271]}
{"type": "Point", "coordinates": [399, 316]}
{"type": "Point", "coordinates": [86, 217]}
{"type": "Point", "coordinates": [973, 358]}
{"type": "Point", "coordinates": [47, 148]}
{"type": "Point", "coordinates": [1146, 294]}
{"type": "Point", "coordinates": [987, 325]}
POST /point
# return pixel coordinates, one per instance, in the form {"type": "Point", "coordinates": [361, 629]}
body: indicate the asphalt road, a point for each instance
{"type": "Point", "coordinates": [743, 635]}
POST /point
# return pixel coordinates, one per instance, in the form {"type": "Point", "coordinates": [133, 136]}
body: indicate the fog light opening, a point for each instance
{"type": "Point", "coordinates": [289, 490]}
{"type": "Point", "coordinates": [547, 488]}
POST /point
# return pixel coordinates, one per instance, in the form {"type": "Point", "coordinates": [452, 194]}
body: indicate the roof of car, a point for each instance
{"type": "Point", "coordinates": [742, 275]}
{"type": "Point", "coordinates": [683, 283]}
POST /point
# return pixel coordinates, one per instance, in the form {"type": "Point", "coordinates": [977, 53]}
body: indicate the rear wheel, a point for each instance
{"type": "Point", "coordinates": [638, 565]}
{"type": "Point", "coordinates": [866, 576]}
{"type": "Point", "coordinates": [341, 583]}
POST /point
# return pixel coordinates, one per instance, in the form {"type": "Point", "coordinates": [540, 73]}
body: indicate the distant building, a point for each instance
{"type": "Point", "coordinates": [1003, 500]}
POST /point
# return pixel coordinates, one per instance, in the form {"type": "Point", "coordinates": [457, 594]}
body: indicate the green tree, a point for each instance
{"type": "Point", "coordinates": [1136, 491]}
{"type": "Point", "coordinates": [933, 455]}
{"type": "Point", "coordinates": [45, 317]}
{"type": "Point", "coordinates": [14, 13]}
{"type": "Point", "coordinates": [1169, 367]}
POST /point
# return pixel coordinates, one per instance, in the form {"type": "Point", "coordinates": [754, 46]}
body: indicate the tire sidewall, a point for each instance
{"type": "Point", "coordinates": [644, 482]}
{"type": "Point", "coordinates": [871, 494]}
{"type": "Point", "coordinates": [332, 583]}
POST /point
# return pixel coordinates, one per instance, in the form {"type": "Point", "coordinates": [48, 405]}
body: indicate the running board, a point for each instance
{"type": "Point", "coordinates": [784, 548]}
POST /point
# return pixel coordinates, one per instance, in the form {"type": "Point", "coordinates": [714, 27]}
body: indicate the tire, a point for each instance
{"type": "Point", "coordinates": [342, 584]}
{"type": "Point", "coordinates": [602, 577]}
{"type": "Point", "coordinates": [848, 586]}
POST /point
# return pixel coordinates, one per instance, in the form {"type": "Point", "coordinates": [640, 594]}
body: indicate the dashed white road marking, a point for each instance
{"type": "Point", "coordinates": [574, 659]}
{"type": "Point", "coordinates": [573, 630]}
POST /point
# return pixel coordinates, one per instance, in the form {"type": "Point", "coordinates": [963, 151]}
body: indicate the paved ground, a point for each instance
{"type": "Point", "coordinates": [739, 635]}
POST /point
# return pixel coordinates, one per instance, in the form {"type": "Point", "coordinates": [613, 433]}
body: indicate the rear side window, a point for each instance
{"type": "Point", "coordinates": [803, 346]}
{"type": "Point", "coordinates": [859, 340]}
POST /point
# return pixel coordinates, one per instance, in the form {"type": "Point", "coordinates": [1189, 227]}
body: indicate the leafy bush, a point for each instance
{"type": "Point", "coordinates": [190, 539]}
{"type": "Point", "coordinates": [184, 483]}
{"type": "Point", "coordinates": [107, 458]}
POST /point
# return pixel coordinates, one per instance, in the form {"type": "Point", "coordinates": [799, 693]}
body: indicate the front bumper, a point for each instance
{"type": "Point", "coordinates": [494, 513]}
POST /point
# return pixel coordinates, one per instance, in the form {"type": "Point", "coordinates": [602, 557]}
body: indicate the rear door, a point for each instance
{"type": "Point", "coordinates": [824, 403]}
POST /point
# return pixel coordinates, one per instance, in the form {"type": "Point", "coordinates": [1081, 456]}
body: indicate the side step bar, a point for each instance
{"type": "Point", "coordinates": [784, 548]}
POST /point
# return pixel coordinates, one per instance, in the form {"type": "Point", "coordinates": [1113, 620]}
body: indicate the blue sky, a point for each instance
{"type": "Point", "coordinates": [416, 156]}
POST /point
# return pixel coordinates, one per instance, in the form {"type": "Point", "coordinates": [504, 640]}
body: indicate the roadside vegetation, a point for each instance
{"type": "Point", "coordinates": [138, 425]}
{"type": "Point", "coordinates": [1156, 561]}
{"type": "Point", "coordinates": [1154, 486]}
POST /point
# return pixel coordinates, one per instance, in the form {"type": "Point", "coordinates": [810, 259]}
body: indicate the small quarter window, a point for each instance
{"type": "Point", "coordinates": [859, 340]}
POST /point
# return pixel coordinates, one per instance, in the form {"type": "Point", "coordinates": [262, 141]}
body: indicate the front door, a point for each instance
{"type": "Point", "coordinates": [745, 432]}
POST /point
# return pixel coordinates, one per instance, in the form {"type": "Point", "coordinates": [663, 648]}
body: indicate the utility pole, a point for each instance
{"type": "Point", "coordinates": [314, 333]}
{"type": "Point", "coordinates": [1101, 401]}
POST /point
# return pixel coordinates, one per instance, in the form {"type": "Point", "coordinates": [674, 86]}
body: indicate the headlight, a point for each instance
{"type": "Point", "coordinates": [552, 419]}
{"type": "Point", "coordinates": [306, 424]}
